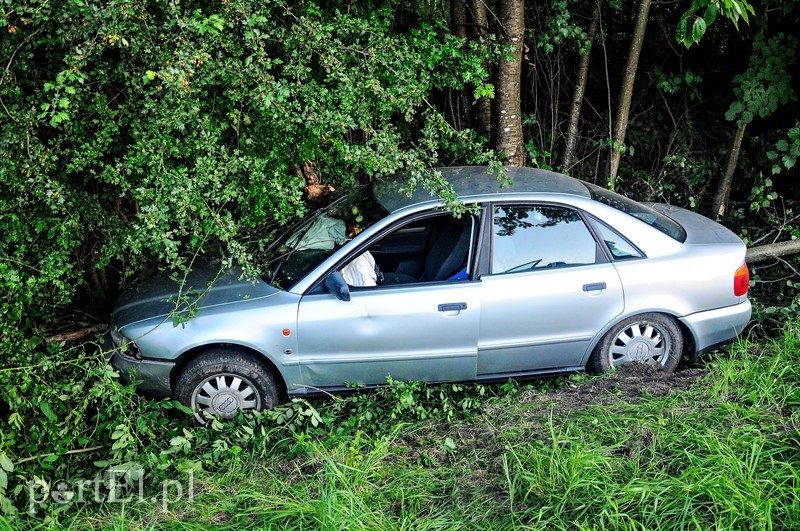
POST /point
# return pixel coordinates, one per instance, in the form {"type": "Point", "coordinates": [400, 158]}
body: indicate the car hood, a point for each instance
{"type": "Point", "coordinates": [700, 230]}
{"type": "Point", "coordinates": [206, 285]}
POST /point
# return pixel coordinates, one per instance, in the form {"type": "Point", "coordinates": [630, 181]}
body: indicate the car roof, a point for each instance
{"type": "Point", "coordinates": [471, 181]}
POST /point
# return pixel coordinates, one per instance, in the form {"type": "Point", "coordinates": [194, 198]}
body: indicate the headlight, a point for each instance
{"type": "Point", "coordinates": [123, 344]}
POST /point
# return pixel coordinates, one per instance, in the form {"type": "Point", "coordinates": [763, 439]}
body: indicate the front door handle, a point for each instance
{"type": "Point", "coordinates": [594, 287]}
{"type": "Point", "coordinates": [453, 307]}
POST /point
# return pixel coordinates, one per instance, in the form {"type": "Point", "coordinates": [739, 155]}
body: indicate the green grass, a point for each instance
{"type": "Point", "coordinates": [724, 454]}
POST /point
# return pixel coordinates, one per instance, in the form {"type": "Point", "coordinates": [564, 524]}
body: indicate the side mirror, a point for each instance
{"type": "Point", "coordinates": [336, 285]}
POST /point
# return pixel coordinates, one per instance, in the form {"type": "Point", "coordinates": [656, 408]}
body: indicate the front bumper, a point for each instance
{"type": "Point", "coordinates": [714, 328]}
{"type": "Point", "coordinates": [152, 377]}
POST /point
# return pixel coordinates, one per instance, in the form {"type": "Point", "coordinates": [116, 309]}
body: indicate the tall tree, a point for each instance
{"type": "Point", "coordinates": [482, 107]}
{"type": "Point", "coordinates": [579, 91]}
{"type": "Point", "coordinates": [626, 90]}
{"type": "Point", "coordinates": [509, 70]}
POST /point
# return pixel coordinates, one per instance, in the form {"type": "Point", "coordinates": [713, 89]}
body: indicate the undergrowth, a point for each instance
{"type": "Point", "coordinates": [723, 454]}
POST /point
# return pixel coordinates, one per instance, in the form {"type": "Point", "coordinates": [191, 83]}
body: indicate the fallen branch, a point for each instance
{"type": "Point", "coordinates": [71, 452]}
{"type": "Point", "coordinates": [75, 335]}
{"type": "Point", "coordinates": [773, 250]}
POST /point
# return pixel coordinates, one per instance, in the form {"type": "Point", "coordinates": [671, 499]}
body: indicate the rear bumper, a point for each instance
{"type": "Point", "coordinates": [715, 328]}
{"type": "Point", "coordinates": [152, 377]}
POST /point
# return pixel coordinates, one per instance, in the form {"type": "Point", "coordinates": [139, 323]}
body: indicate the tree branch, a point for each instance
{"type": "Point", "coordinates": [773, 250]}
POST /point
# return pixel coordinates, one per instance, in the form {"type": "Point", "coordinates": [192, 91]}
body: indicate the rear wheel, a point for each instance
{"type": "Point", "coordinates": [222, 381]}
{"type": "Point", "coordinates": [650, 338]}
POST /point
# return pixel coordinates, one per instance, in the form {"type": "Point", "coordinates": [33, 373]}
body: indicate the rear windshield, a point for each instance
{"type": "Point", "coordinates": [641, 212]}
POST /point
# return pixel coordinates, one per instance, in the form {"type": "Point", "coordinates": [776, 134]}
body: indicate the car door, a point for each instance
{"type": "Point", "coordinates": [548, 290]}
{"type": "Point", "coordinates": [418, 330]}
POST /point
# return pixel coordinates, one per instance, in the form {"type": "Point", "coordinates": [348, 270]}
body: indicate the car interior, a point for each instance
{"type": "Point", "coordinates": [431, 249]}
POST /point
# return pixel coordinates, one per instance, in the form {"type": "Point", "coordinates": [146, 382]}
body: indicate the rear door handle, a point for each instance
{"type": "Point", "coordinates": [594, 287]}
{"type": "Point", "coordinates": [453, 307]}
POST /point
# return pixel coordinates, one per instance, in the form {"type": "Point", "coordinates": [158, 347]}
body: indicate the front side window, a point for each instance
{"type": "Point", "coordinates": [430, 249]}
{"type": "Point", "coordinates": [530, 238]}
{"type": "Point", "coordinates": [299, 251]}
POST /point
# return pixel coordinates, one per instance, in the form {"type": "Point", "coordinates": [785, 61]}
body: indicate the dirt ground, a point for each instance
{"type": "Point", "coordinates": [628, 384]}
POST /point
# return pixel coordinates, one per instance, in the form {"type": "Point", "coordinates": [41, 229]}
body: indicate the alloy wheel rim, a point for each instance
{"type": "Point", "coordinates": [222, 395]}
{"type": "Point", "coordinates": [641, 342]}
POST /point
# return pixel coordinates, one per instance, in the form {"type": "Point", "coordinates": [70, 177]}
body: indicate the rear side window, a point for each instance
{"type": "Point", "coordinates": [619, 247]}
{"type": "Point", "coordinates": [531, 238]}
{"type": "Point", "coordinates": [639, 211]}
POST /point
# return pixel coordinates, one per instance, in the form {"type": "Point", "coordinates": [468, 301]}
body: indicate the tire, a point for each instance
{"type": "Point", "coordinates": [650, 338]}
{"type": "Point", "coordinates": [224, 380]}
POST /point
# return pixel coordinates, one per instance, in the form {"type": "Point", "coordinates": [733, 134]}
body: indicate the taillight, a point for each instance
{"type": "Point", "coordinates": [741, 281]}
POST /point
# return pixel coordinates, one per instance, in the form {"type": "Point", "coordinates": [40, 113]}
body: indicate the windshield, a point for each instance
{"type": "Point", "coordinates": [639, 211]}
{"type": "Point", "coordinates": [307, 245]}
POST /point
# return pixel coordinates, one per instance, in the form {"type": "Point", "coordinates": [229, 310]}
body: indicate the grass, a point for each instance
{"type": "Point", "coordinates": [723, 454]}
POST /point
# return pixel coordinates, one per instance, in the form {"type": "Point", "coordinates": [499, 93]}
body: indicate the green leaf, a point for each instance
{"type": "Point", "coordinates": [5, 463]}
{"type": "Point", "coordinates": [681, 30]}
{"type": "Point", "coordinates": [711, 14]}
{"type": "Point", "coordinates": [45, 407]}
{"type": "Point", "coordinates": [698, 29]}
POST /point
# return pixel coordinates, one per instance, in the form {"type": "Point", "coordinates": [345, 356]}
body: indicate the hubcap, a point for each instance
{"type": "Point", "coordinates": [640, 342]}
{"type": "Point", "coordinates": [224, 394]}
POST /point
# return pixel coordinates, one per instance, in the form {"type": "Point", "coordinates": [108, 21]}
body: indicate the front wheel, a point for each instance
{"type": "Point", "coordinates": [222, 381]}
{"type": "Point", "coordinates": [650, 338]}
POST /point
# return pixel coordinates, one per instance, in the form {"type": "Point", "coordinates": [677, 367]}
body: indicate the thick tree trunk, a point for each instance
{"type": "Point", "coordinates": [509, 71]}
{"type": "Point", "coordinates": [578, 93]}
{"type": "Point", "coordinates": [482, 107]}
{"type": "Point", "coordinates": [726, 181]}
{"type": "Point", "coordinates": [772, 250]}
{"type": "Point", "coordinates": [626, 90]}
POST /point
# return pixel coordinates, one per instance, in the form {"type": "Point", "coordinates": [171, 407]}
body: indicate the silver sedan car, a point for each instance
{"type": "Point", "coordinates": [546, 274]}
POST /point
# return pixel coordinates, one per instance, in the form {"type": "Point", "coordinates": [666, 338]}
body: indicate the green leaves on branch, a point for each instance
{"type": "Point", "coordinates": [786, 152]}
{"type": "Point", "coordinates": [766, 84]}
{"type": "Point", "coordinates": [559, 30]}
{"type": "Point", "coordinates": [698, 18]}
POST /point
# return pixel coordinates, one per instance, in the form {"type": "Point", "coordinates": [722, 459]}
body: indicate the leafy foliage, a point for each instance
{"type": "Point", "coordinates": [135, 133]}
{"type": "Point", "coordinates": [559, 29]}
{"type": "Point", "coordinates": [696, 20]}
{"type": "Point", "coordinates": [767, 83]}
{"type": "Point", "coordinates": [786, 152]}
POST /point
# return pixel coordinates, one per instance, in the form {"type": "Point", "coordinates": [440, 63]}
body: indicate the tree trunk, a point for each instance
{"type": "Point", "coordinates": [725, 183]}
{"type": "Point", "coordinates": [458, 25]}
{"type": "Point", "coordinates": [458, 18]}
{"type": "Point", "coordinates": [509, 71]}
{"type": "Point", "coordinates": [626, 91]}
{"type": "Point", "coordinates": [772, 250]}
{"type": "Point", "coordinates": [578, 93]}
{"type": "Point", "coordinates": [482, 107]}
